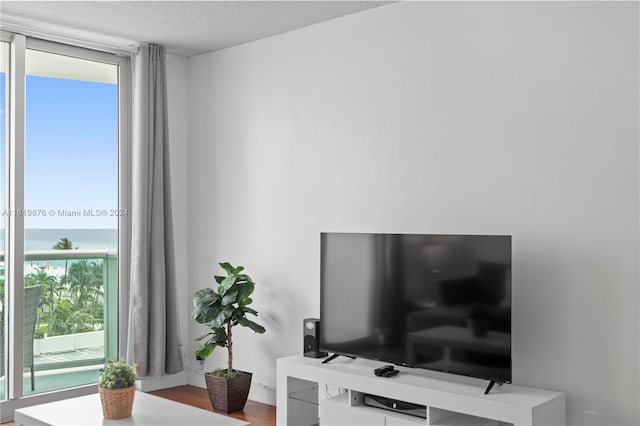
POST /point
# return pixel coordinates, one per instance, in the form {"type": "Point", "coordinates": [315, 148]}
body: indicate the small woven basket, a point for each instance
{"type": "Point", "coordinates": [117, 403]}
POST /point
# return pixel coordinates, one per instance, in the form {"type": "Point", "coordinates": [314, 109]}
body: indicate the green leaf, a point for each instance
{"type": "Point", "coordinates": [118, 375]}
{"type": "Point", "coordinates": [230, 270]}
{"type": "Point", "coordinates": [244, 277]}
{"type": "Point", "coordinates": [244, 291]}
{"type": "Point", "coordinates": [246, 309]}
{"type": "Point", "coordinates": [219, 336]}
{"type": "Point", "coordinates": [222, 317]}
{"type": "Point", "coordinates": [213, 335]}
{"type": "Point", "coordinates": [230, 297]}
{"type": "Point", "coordinates": [206, 296]}
{"type": "Point", "coordinates": [252, 325]}
{"type": "Point", "coordinates": [219, 279]}
{"type": "Point", "coordinates": [227, 284]}
{"type": "Point", "coordinates": [206, 314]}
{"type": "Point", "coordinates": [203, 336]}
{"type": "Point", "coordinates": [205, 350]}
{"type": "Point", "coordinates": [237, 316]}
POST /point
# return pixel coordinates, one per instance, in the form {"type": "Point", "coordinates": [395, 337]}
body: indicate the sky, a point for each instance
{"type": "Point", "coordinates": [71, 158]}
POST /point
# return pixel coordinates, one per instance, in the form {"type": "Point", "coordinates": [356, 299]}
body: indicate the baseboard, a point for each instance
{"type": "Point", "coordinates": [196, 379]}
{"type": "Point", "coordinates": [262, 393]}
{"type": "Point", "coordinates": [149, 384]}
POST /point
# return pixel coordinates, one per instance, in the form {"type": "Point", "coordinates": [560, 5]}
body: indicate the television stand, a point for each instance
{"type": "Point", "coordinates": [334, 356]}
{"type": "Point", "coordinates": [491, 384]}
{"type": "Point", "coordinates": [449, 399]}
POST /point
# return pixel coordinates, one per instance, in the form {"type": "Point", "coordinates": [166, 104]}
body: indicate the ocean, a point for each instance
{"type": "Point", "coordinates": [45, 239]}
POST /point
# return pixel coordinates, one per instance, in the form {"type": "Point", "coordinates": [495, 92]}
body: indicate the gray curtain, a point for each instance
{"type": "Point", "coordinates": [152, 340]}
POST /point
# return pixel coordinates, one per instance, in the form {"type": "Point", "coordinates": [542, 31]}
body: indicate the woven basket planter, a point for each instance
{"type": "Point", "coordinates": [228, 395]}
{"type": "Point", "coordinates": [117, 403]}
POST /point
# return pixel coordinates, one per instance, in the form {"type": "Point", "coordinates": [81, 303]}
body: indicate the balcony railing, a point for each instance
{"type": "Point", "coordinates": [60, 346]}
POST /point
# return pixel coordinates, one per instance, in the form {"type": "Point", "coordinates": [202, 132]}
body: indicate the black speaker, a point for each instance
{"type": "Point", "coordinates": [311, 338]}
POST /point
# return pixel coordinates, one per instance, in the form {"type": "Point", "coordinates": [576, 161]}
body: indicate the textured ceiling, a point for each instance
{"type": "Point", "coordinates": [183, 27]}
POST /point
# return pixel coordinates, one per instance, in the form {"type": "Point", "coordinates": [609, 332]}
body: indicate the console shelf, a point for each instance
{"type": "Point", "coordinates": [450, 399]}
{"type": "Point", "coordinates": [340, 411]}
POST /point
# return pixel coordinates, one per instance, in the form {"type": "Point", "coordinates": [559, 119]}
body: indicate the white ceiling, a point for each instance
{"type": "Point", "coordinates": [183, 27]}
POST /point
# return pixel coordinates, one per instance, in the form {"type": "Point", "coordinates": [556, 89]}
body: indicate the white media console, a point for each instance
{"type": "Point", "coordinates": [450, 400]}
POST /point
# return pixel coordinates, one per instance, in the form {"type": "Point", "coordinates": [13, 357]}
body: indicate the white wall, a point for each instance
{"type": "Point", "coordinates": [463, 117]}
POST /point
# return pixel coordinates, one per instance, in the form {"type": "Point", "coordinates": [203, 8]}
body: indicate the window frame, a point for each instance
{"type": "Point", "coordinates": [14, 225]}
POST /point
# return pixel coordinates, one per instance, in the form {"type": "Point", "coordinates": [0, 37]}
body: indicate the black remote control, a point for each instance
{"type": "Point", "coordinates": [390, 373]}
{"type": "Point", "coordinates": [383, 370]}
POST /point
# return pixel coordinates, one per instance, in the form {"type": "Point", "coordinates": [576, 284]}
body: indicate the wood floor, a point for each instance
{"type": "Point", "coordinates": [254, 412]}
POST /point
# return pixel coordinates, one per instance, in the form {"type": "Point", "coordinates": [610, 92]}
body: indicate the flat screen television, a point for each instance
{"type": "Point", "coordinates": [438, 302]}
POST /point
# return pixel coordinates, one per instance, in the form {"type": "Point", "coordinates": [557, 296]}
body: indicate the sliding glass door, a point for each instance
{"type": "Point", "coordinates": [71, 220]}
{"type": "Point", "coordinates": [4, 93]}
{"type": "Point", "coordinates": [65, 217]}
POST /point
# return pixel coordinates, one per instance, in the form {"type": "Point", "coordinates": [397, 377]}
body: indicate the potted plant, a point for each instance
{"type": "Point", "coordinates": [117, 388]}
{"type": "Point", "coordinates": [220, 310]}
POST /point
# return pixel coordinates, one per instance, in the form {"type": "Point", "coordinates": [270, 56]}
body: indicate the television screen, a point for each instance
{"type": "Point", "coordinates": [439, 302]}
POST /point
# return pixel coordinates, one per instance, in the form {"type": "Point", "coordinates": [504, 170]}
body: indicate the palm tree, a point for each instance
{"type": "Point", "coordinates": [64, 244]}
{"type": "Point", "coordinates": [85, 286]}
{"type": "Point", "coordinates": [50, 287]}
{"type": "Point", "coordinates": [97, 290]}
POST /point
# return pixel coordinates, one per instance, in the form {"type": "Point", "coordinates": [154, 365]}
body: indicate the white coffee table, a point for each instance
{"type": "Point", "coordinates": [148, 410]}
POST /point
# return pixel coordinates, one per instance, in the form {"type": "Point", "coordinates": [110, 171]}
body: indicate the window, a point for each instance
{"type": "Point", "coordinates": [4, 82]}
{"type": "Point", "coordinates": [65, 214]}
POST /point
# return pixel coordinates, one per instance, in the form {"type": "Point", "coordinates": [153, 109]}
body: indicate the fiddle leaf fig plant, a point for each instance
{"type": "Point", "coordinates": [220, 309]}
